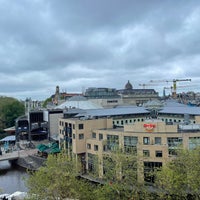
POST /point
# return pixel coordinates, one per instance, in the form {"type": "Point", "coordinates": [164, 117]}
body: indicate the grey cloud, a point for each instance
{"type": "Point", "coordinates": [78, 44]}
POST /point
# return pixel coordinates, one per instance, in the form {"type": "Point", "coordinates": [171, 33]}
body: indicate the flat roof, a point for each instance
{"type": "Point", "coordinates": [169, 107]}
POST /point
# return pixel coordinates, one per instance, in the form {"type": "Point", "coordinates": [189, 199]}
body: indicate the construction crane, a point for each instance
{"type": "Point", "coordinates": [144, 85]}
{"type": "Point", "coordinates": [174, 87]}
{"type": "Point", "coordinates": [178, 87]}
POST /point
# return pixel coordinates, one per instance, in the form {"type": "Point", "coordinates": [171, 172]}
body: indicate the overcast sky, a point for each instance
{"type": "Point", "coordinates": [77, 44]}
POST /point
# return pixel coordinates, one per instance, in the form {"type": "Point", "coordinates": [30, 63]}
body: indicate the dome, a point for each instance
{"type": "Point", "coordinates": [128, 86]}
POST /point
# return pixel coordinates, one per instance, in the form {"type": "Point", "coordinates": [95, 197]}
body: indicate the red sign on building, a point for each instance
{"type": "Point", "coordinates": [149, 127]}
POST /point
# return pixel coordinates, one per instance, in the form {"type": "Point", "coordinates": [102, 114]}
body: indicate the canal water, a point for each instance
{"type": "Point", "coordinates": [12, 178]}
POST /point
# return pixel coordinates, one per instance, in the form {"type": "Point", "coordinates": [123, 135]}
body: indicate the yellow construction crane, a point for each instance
{"type": "Point", "coordinates": [174, 87]}
{"type": "Point", "coordinates": [178, 87]}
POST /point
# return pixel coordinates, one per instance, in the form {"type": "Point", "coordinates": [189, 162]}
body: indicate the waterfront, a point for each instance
{"type": "Point", "coordinates": [11, 178]}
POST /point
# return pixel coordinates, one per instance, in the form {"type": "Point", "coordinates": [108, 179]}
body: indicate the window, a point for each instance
{"type": "Point", "coordinates": [81, 136]}
{"type": "Point", "coordinates": [130, 144]}
{"type": "Point", "coordinates": [94, 135]}
{"type": "Point", "coordinates": [100, 136]}
{"type": "Point", "coordinates": [96, 147]}
{"type": "Point", "coordinates": [146, 140]}
{"type": "Point", "coordinates": [80, 126]}
{"type": "Point", "coordinates": [158, 153]}
{"type": "Point", "coordinates": [73, 126]}
{"type": "Point", "coordinates": [92, 163]}
{"type": "Point", "coordinates": [174, 142]}
{"type": "Point", "coordinates": [74, 136]}
{"type": "Point", "coordinates": [88, 146]}
{"type": "Point", "coordinates": [149, 167]}
{"type": "Point", "coordinates": [172, 152]}
{"type": "Point", "coordinates": [105, 148]}
{"type": "Point", "coordinates": [146, 153]}
{"type": "Point", "coordinates": [194, 142]}
{"type": "Point", "coordinates": [157, 140]}
{"type": "Point", "coordinates": [112, 142]}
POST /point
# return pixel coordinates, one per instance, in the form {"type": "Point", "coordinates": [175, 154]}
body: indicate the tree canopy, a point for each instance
{"type": "Point", "coordinates": [10, 110]}
{"type": "Point", "coordinates": [179, 179]}
{"type": "Point", "coordinates": [58, 179]}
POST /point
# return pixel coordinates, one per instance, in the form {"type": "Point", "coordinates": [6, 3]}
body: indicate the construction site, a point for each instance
{"type": "Point", "coordinates": [173, 90]}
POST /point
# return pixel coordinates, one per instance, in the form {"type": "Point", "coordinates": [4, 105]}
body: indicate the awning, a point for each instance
{"type": "Point", "coordinates": [50, 148]}
{"type": "Point", "coordinates": [8, 139]}
{"type": "Point", "coordinates": [42, 147]}
{"type": "Point", "coordinates": [10, 129]}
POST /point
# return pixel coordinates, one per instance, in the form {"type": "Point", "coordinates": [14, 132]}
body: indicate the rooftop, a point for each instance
{"type": "Point", "coordinates": [169, 107]}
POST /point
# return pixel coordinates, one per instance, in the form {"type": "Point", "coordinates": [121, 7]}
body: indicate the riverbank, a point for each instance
{"type": "Point", "coordinates": [30, 162]}
{"type": "Point", "coordinates": [12, 178]}
{"type": "Point", "coordinates": [13, 169]}
{"type": "Point", "coordinates": [16, 195]}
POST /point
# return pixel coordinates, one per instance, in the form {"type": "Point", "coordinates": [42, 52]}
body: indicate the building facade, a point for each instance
{"type": "Point", "coordinates": [131, 96]}
{"type": "Point", "coordinates": [106, 97]}
{"type": "Point", "coordinates": [154, 140]}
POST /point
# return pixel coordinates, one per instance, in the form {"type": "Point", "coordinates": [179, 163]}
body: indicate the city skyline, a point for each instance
{"type": "Point", "coordinates": [77, 45]}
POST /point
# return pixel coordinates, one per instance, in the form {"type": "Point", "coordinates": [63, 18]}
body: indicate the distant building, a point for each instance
{"type": "Point", "coordinates": [137, 97]}
{"type": "Point", "coordinates": [79, 102]}
{"type": "Point", "coordinates": [60, 97]}
{"type": "Point", "coordinates": [32, 126]}
{"type": "Point", "coordinates": [31, 105]}
{"type": "Point", "coordinates": [106, 97]}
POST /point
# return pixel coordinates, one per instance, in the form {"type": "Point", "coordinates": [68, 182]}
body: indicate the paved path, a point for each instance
{"type": "Point", "coordinates": [17, 154]}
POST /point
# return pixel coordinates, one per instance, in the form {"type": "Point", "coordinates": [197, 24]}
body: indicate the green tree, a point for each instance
{"type": "Point", "coordinates": [10, 109]}
{"type": "Point", "coordinates": [11, 112]}
{"type": "Point", "coordinates": [179, 179]}
{"type": "Point", "coordinates": [58, 180]}
{"type": "Point", "coordinates": [47, 101]}
{"type": "Point", "coordinates": [120, 176]}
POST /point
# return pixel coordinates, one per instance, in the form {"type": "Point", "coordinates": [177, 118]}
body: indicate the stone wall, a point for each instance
{"type": "Point", "coordinates": [31, 162]}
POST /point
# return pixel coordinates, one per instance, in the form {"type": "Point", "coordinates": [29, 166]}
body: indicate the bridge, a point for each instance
{"type": "Point", "coordinates": [14, 155]}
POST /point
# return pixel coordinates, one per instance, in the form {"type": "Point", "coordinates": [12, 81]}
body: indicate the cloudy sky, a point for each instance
{"type": "Point", "coordinates": [77, 44]}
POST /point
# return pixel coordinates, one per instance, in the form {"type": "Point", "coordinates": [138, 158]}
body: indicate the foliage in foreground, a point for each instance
{"type": "Point", "coordinates": [58, 180]}
{"type": "Point", "coordinates": [179, 179]}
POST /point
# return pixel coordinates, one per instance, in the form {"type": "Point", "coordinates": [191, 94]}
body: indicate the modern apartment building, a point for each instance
{"type": "Point", "coordinates": [154, 141]}
{"type": "Point", "coordinates": [91, 134]}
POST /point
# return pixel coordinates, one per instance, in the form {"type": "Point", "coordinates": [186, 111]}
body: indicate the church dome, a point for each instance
{"type": "Point", "coordinates": [128, 86]}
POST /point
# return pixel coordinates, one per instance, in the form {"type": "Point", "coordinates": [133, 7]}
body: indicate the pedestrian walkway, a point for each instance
{"type": "Point", "coordinates": [17, 154]}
